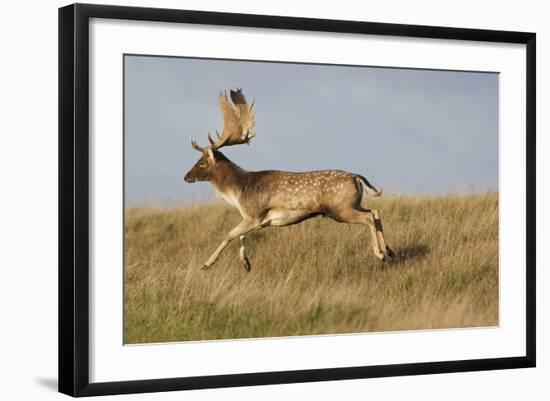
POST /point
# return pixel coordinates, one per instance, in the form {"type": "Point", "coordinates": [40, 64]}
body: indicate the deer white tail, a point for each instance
{"type": "Point", "coordinates": [367, 187]}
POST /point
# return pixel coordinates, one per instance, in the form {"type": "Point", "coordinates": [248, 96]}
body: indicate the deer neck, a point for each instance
{"type": "Point", "coordinates": [228, 179]}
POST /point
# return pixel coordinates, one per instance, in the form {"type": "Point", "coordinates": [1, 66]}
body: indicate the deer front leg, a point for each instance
{"type": "Point", "coordinates": [243, 227]}
{"type": "Point", "coordinates": [242, 255]}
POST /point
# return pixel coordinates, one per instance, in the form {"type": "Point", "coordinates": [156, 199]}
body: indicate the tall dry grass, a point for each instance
{"type": "Point", "coordinates": [315, 277]}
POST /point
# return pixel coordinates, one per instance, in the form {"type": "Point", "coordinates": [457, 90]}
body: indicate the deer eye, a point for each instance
{"type": "Point", "coordinates": [202, 164]}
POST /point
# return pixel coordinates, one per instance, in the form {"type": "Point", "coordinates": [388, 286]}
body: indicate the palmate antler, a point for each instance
{"type": "Point", "coordinates": [238, 121]}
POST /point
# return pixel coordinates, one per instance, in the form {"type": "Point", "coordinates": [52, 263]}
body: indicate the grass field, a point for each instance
{"type": "Point", "coordinates": [317, 277]}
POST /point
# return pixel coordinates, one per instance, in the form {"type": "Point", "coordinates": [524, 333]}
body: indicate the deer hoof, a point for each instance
{"type": "Point", "coordinates": [247, 266]}
{"type": "Point", "coordinates": [205, 267]}
{"type": "Point", "coordinates": [389, 252]}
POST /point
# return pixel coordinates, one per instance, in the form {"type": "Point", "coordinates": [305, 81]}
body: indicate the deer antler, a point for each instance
{"type": "Point", "coordinates": [195, 146]}
{"type": "Point", "coordinates": [238, 120]}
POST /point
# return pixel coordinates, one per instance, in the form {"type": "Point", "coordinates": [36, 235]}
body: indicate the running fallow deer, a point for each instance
{"type": "Point", "coordinates": [278, 198]}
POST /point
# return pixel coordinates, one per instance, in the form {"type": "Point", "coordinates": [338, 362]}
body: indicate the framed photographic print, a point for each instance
{"type": "Point", "coordinates": [251, 199]}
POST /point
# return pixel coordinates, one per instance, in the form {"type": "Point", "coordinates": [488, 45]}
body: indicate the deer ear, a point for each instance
{"type": "Point", "coordinates": [211, 155]}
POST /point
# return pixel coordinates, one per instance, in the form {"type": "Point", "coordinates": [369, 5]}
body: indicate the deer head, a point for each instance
{"type": "Point", "coordinates": [238, 121]}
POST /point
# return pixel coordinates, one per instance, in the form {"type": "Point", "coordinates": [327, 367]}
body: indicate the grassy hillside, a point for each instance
{"type": "Point", "coordinates": [315, 277]}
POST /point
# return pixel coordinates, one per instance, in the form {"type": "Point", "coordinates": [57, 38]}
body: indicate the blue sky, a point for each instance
{"type": "Point", "coordinates": [408, 131]}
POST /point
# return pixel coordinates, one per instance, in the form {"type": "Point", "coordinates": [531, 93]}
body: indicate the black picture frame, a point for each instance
{"type": "Point", "coordinates": [74, 199]}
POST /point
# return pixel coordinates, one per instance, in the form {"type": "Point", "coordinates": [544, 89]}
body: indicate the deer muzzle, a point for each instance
{"type": "Point", "coordinates": [189, 178]}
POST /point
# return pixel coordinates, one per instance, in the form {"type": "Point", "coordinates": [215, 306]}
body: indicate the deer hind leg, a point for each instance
{"type": "Point", "coordinates": [376, 246]}
{"type": "Point", "coordinates": [240, 230]}
{"type": "Point", "coordinates": [380, 234]}
{"type": "Point", "coordinates": [371, 218]}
